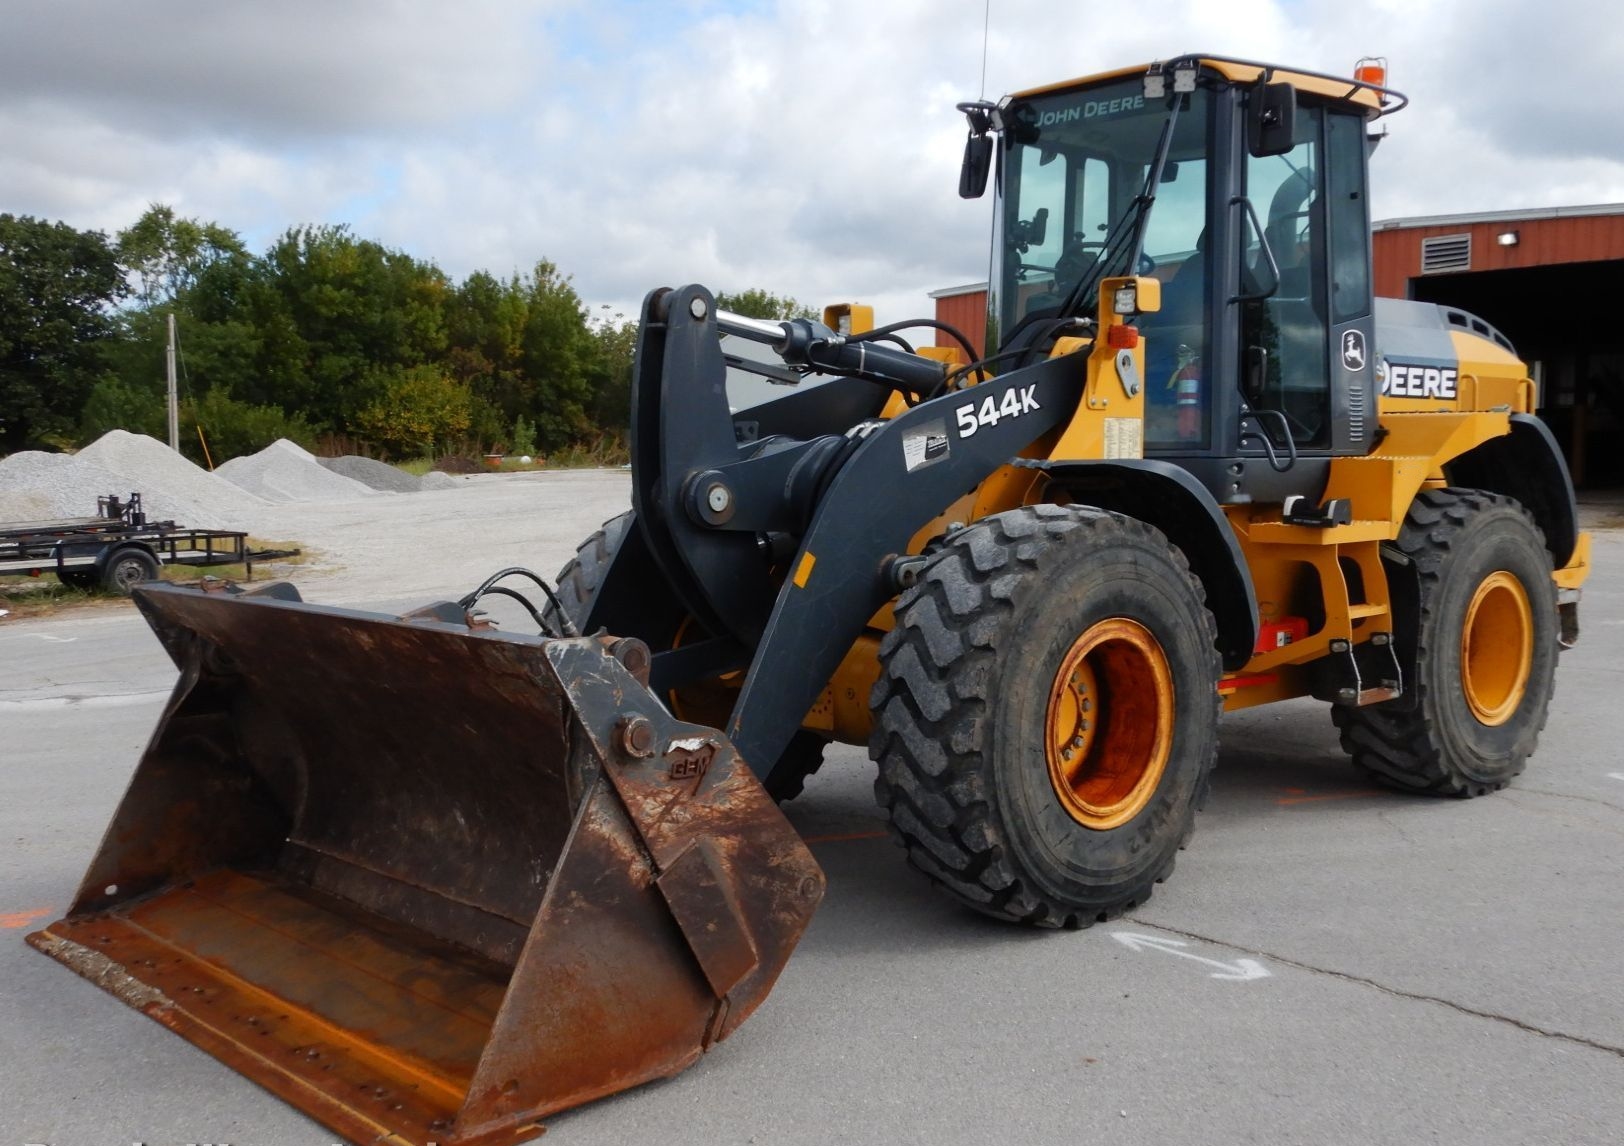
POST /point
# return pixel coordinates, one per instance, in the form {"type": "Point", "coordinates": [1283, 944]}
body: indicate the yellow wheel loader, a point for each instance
{"type": "Point", "coordinates": [431, 881]}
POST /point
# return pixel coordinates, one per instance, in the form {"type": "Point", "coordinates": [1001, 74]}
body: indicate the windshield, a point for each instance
{"type": "Point", "coordinates": [1074, 164]}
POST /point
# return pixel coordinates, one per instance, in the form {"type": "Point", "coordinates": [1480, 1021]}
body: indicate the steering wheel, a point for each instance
{"type": "Point", "coordinates": [1080, 256]}
{"type": "Point", "coordinates": [1076, 260]}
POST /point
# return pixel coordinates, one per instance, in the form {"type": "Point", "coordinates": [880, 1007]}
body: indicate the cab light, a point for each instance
{"type": "Point", "coordinates": [1371, 70]}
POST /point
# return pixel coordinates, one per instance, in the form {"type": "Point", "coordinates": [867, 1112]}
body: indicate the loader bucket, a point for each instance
{"type": "Point", "coordinates": [427, 881]}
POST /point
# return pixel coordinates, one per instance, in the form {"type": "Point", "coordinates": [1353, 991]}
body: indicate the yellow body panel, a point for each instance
{"type": "Point", "coordinates": [1334, 577]}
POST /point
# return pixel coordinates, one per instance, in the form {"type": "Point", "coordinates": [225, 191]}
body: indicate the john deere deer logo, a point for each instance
{"type": "Point", "coordinates": [1353, 350]}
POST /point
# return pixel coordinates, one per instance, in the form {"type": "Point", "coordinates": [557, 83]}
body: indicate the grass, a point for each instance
{"type": "Point", "coordinates": [44, 595]}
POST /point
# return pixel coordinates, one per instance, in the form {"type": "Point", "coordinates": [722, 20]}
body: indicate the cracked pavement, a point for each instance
{"type": "Point", "coordinates": [1438, 970]}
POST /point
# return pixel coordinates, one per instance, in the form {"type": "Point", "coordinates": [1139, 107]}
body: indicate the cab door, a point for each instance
{"type": "Point", "coordinates": [1305, 319]}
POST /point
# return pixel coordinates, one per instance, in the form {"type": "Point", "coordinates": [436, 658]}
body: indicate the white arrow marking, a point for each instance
{"type": "Point", "coordinates": [1616, 775]}
{"type": "Point", "coordinates": [1240, 970]}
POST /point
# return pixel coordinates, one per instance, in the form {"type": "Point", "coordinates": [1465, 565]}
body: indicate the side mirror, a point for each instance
{"type": "Point", "coordinates": [1271, 119]}
{"type": "Point", "coordinates": [977, 164]}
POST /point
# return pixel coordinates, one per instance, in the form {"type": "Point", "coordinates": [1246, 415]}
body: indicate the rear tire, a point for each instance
{"type": "Point", "coordinates": [1485, 629]}
{"type": "Point", "coordinates": [578, 584]}
{"type": "Point", "coordinates": [1019, 790]}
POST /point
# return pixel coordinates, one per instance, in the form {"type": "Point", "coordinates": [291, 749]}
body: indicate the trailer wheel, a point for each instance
{"type": "Point", "coordinates": [578, 584]}
{"type": "Point", "coordinates": [1479, 634]}
{"type": "Point", "coordinates": [126, 569]}
{"type": "Point", "coordinates": [1046, 717]}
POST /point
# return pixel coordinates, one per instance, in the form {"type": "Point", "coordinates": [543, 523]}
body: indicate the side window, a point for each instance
{"type": "Point", "coordinates": [1093, 198]}
{"type": "Point", "coordinates": [1061, 227]}
{"type": "Point", "coordinates": [1285, 336]}
{"type": "Point", "coordinates": [1041, 209]}
{"type": "Point", "coordinates": [1178, 390]}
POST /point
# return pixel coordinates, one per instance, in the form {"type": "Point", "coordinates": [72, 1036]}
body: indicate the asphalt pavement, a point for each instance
{"type": "Point", "coordinates": [1330, 962]}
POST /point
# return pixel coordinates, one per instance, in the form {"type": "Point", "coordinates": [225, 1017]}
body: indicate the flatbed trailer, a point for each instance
{"type": "Point", "coordinates": [119, 548]}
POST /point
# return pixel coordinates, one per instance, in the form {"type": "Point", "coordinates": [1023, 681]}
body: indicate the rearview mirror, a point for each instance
{"type": "Point", "coordinates": [1271, 119]}
{"type": "Point", "coordinates": [977, 163]}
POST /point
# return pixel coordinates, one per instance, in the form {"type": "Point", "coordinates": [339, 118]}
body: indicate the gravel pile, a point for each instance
{"type": "Point", "coordinates": [159, 473]}
{"type": "Point", "coordinates": [284, 472]}
{"type": "Point", "coordinates": [378, 475]}
{"type": "Point", "coordinates": [37, 486]}
{"type": "Point", "coordinates": [434, 479]}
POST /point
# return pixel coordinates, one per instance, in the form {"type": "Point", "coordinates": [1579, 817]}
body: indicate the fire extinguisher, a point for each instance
{"type": "Point", "coordinates": [1186, 385]}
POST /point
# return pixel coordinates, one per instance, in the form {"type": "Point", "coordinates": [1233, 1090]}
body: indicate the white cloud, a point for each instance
{"type": "Point", "coordinates": [805, 146]}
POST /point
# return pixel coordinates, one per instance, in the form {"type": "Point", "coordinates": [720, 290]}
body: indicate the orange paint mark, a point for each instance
{"type": "Point", "coordinates": [18, 919]}
{"type": "Point", "coordinates": [843, 839]}
{"type": "Point", "coordinates": [1301, 796]}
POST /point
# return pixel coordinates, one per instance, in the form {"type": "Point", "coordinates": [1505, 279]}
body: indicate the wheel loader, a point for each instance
{"type": "Point", "coordinates": [428, 879]}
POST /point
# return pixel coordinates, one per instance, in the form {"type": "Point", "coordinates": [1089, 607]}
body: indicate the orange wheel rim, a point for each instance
{"type": "Point", "coordinates": [1497, 648]}
{"type": "Point", "coordinates": [1108, 731]}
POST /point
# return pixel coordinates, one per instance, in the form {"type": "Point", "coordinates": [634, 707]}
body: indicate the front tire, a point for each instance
{"type": "Point", "coordinates": [1485, 631]}
{"type": "Point", "coordinates": [1046, 718]}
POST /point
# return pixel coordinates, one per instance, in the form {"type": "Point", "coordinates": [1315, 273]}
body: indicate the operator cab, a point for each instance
{"type": "Point", "coordinates": [1241, 187]}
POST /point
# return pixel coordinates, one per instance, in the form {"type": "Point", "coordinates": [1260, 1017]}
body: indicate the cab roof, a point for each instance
{"type": "Point", "coordinates": [1376, 100]}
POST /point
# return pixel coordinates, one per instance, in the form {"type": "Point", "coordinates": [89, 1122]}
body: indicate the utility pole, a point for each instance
{"type": "Point", "coordinates": [174, 403]}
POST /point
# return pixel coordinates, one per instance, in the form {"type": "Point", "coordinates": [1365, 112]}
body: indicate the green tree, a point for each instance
{"type": "Point", "coordinates": [166, 254]}
{"type": "Point", "coordinates": [331, 310]}
{"type": "Point", "coordinates": [561, 360]}
{"type": "Point", "coordinates": [485, 321]}
{"type": "Point", "coordinates": [57, 285]}
{"type": "Point", "coordinates": [758, 303]}
{"type": "Point", "coordinates": [617, 346]}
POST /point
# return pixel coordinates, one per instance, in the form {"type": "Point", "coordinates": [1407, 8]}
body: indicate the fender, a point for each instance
{"type": "Point", "coordinates": [1528, 465]}
{"type": "Point", "coordinates": [1166, 496]}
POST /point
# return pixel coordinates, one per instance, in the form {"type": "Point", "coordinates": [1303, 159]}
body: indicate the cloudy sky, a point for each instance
{"type": "Point", "coordinates": [806, 146]}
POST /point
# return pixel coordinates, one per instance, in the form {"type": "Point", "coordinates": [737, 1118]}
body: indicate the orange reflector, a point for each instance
{"type": "Point", "coordinates": [1121, 336]}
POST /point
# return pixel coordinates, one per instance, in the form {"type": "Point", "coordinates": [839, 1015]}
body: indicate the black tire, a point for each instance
{"type": "Point", "coordinates": [963, 702]}
{"type": "Point", "coordinates": [1460, 543]}
{"type": "Point", "coordinates": [126, 569]}
{"type": "Point", "coordinates": [577, 586]}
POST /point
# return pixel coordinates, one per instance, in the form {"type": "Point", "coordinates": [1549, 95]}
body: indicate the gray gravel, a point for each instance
{"type": "Point", "coordinates": [287, 472]}
{"type": "Point", "coordinates": [371, 472]}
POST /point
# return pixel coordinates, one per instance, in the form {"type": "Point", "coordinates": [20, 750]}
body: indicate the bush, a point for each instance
{"type": "Point", "coordinates": [235, 428]}
{"type": "Point", "coordinates": [419, 407]}
{"type": "Point", "coordinates": [524, 436]}
{"type": "Point", "coordinates": [115, 405]}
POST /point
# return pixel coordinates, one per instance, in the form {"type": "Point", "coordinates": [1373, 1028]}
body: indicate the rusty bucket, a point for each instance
{"type": "Point", "coordinates": [430, 882]}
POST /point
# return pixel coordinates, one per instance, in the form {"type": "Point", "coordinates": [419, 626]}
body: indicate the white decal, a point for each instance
{"type": "Point", "coordinates": [1241, 970]}
{"type": "Point", "coordinates": [1419, 381]}
{"type": "Point", "coordinates": [1092, 109]}
{"type": "Point", "coordinates": [925, 446]}
{"type": "Point", "coordinates": [1013, 405]}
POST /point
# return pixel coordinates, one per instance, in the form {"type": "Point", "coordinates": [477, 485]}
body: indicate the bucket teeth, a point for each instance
{"type": "Point", "coordinates": [428, 881]}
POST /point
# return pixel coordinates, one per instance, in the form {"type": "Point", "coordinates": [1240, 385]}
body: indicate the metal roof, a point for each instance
{"type": "Point", "coordinates": [967, 288]}
{"type": "Point", "coordinates": [1527, 214]}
